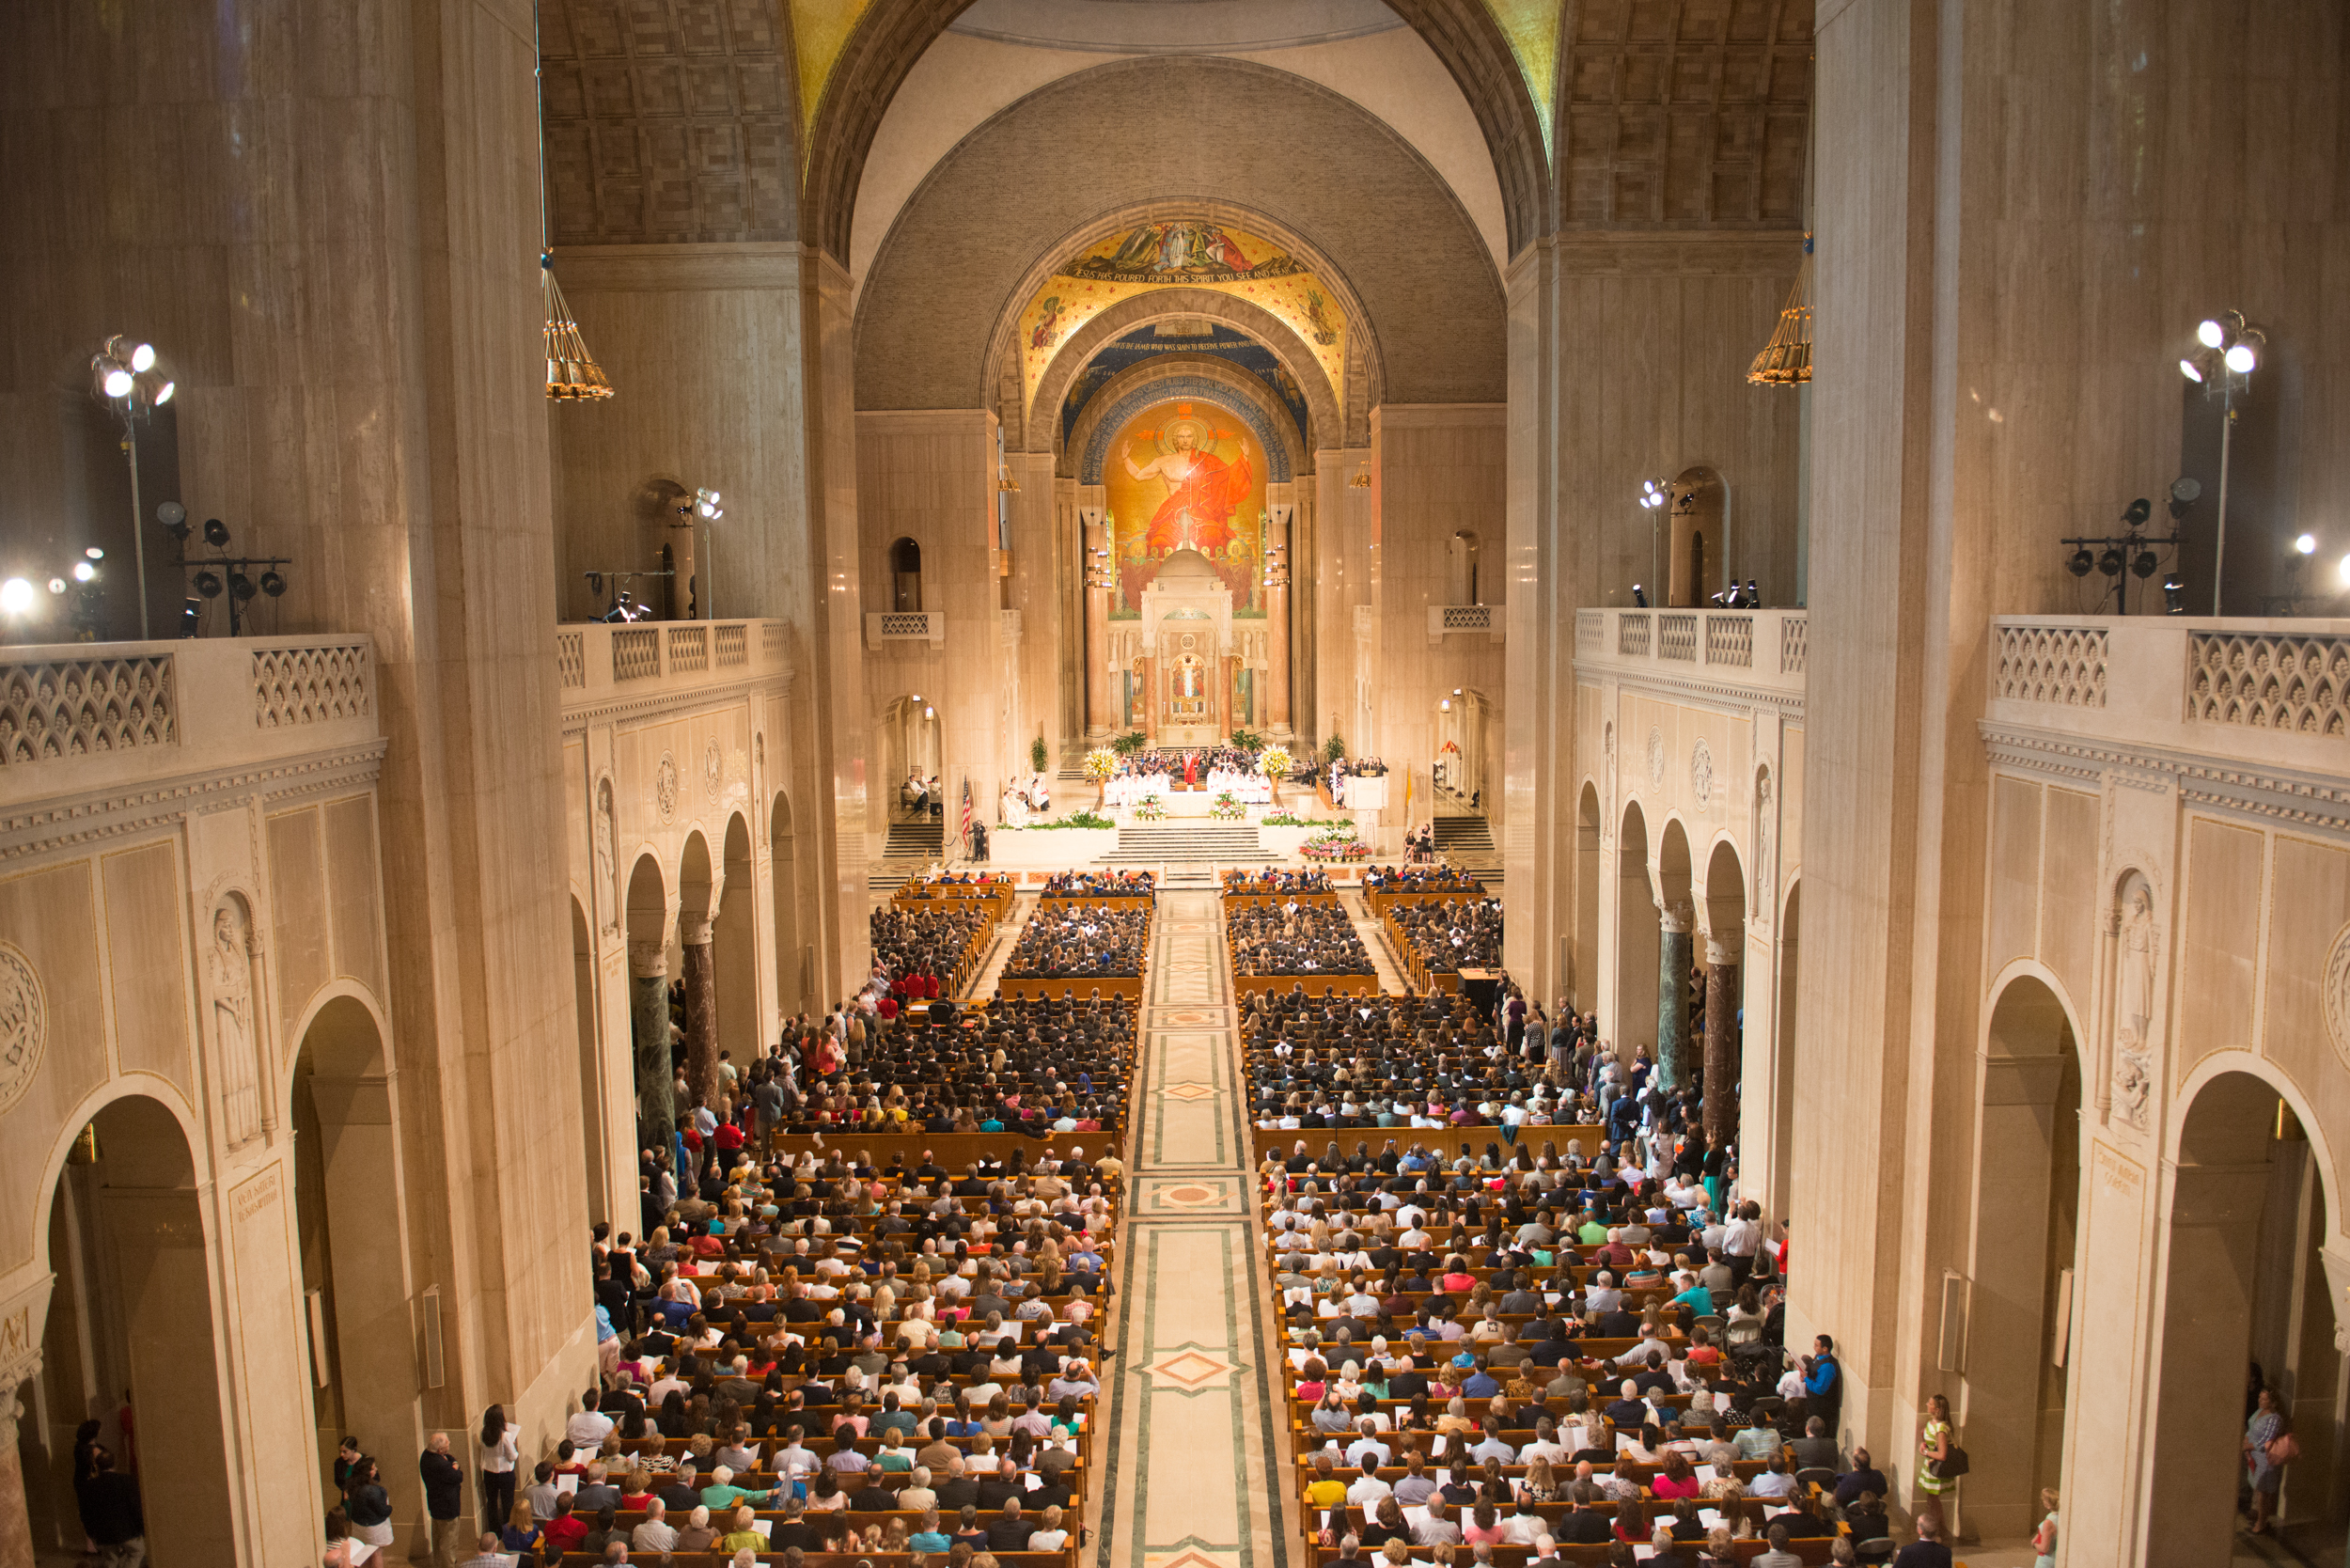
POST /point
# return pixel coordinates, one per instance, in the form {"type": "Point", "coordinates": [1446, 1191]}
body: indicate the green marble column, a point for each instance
{"type": "Point", "coordinates": [649, 1026]}
{"type": "Point", "coordinates": [1673, 953]}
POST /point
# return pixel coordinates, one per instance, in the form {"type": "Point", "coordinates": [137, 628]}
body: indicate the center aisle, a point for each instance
{"type": "Point", "coordinates": [1195, 1470]}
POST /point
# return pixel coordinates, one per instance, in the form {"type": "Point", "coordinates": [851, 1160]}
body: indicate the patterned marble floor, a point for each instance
{"type": "Point", "coordinates": [1195, 1466]}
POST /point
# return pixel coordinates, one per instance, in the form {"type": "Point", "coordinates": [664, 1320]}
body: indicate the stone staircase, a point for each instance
{"type": "Point", "coordinates": [1190, 841]}
{"type": "Point", "coordinates": [912, 846]}
{"type": "Point", "coordinates": [1467, 843]}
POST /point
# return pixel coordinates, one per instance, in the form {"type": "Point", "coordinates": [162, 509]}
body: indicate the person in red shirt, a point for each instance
{"type": "Point", "coordinates": [729, 1137]}
{"type": "Point", "coordinates": [566, 1529]}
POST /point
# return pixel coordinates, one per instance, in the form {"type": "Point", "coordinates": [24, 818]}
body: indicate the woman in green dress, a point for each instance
{"type": "Point", "coordinates": [1935, 1441]}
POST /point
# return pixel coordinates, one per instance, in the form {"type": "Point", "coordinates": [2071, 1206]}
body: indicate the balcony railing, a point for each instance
{"type": "Point", "coordinates": [77, 716]}
{"type": "Point", "coordinates": [888, 626]}
{"type": "Point", "coordinates": [1758, 647]}
{"type": "Point", "coordinates": [1487, 621]}
{"type": "Point", "coordinates": [596, 658]}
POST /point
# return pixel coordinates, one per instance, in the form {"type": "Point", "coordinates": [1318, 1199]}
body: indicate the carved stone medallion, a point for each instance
{"type": "Point", "coordinates": [664, 786]}
{"type": "Point", "coordinates": [1656, 758]}
{"type": "Point", "coordinates": [1702, 773]}
{"type": "Point", "coordinates": [23, 1023]}
{"type": "Point", "coordinates": [2337, 999]}
{"type": "Point", "coordinates": [713, 770]}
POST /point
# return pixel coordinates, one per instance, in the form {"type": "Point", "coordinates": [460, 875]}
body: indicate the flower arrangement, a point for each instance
{"type": "Point", "coordinates": [1275, 762]}
{"type": "Point", "coordinates": [1226, 808]}
{"type": "Point", "coordinates": [1291, 819]}
{"type": "Point", "coordinates": [1150, 809]}
{"type": "Point", "coordinates": [1332, 843]}
{"type": "Point", "coordinates": [1100, 764]}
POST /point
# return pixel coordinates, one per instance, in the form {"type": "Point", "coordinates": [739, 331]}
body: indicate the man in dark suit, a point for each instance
{"type": "Point", "coordinates": [1586, 1525]}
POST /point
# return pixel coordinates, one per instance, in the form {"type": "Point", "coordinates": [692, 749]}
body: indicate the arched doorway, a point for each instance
{"type": "Point", "coordinates": [735, 950]}
{"type": "Point", "coordinates": [910, 747]}
{"type": "Point", "coordinates": [131, 1325]}
{"type": "Point", "coordinates": [1722, 961]}
{"type": "Point", "coordinates": [354, 1272]}
{"type": "Point", "coordinates": [1582, 979]}
{"type": "Point", "coordinates": [1635, 1023]}
{"type": "Point", "coordinates": [2011, 1396]}
{"type": "Point", "coordinates": [791, 962]}
{"type": "Point", "coordinates": [1461, 552]}
{"type": "Point", "coordinates": [592, 1114]}
{"type": "Point", "coordinates": [2246, 1214]}
{"type": "Point", "coordinates": [1680, 984]}
{"type": "Point", "coordinates": [905, 575]}
{"type": "Point", "coordinates": [1696, 548]}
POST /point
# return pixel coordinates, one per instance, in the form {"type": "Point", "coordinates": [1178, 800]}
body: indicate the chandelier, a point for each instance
{"type": "Point", "coordinates": [1786, 359]}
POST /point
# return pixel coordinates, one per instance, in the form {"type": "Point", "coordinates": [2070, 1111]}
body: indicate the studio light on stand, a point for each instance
{"type": "Point", "coordinates": [223, 573]}
{"type": "Point", "coordinates": [2128, 553]}
{"type": "Point", "coordinates": [2227, 349]}
{"type": "Point", "coordinates": [1656, 495]}
{"type": "Point", "coordinates": [123, 374]}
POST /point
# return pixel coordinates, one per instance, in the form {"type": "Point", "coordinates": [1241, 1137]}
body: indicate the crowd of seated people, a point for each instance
{"type": "Point", "coordinates": [845, 1354]}
{"type": "Point", "coordinates": [1540, 1348]}
{"type": "Point", "coordinates": [1038, 1065]}
{"type": "Point", "coordinates": [1434, 877]}
{"type": "Point", "coordinates": [1081, 942]}
{"type": "Point", "coordinates": [1211, 759]}
{"type": "Point", "coordinates": [1452, 935]}
{"type": "Point", "coordinates": [1301, 939]}
{"type": "Point", "coordinates": [1274, 880]}
{"type": "Point", "coordinates": [1391, 1061]}
{"type": "Point", "coordinates": [1104, 885]}
{"type": "Point", "coordinates": [927, 946]}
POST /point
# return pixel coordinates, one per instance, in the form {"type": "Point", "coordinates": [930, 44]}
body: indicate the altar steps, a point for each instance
{"type": "Point", "coordinates": [1467, 843]}
{"type": "Point", "coordinates": [1189, 842]}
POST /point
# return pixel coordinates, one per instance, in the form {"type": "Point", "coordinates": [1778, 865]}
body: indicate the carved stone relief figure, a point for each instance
{"type": "Point", "coordinates": [229, 976]}
{"type": "Point", "coordinates": [1765, 833]}
{"type": "Point", "coordinates": [607, 892]}
{"type": "Point", "coordinates": [2137, 954]}
{"type": "Point", "coordinates": [1607, 785]}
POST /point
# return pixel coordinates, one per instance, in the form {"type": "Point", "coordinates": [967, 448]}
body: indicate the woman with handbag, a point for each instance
{"type": "Point", "coordinates": [2268, 1447]}
{"type": "Point", "coordinates": [1940, 1463]}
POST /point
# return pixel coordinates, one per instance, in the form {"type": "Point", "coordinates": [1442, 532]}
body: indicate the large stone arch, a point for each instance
{"type": "Point", "coordinates": [892, 33]}
{"type": "Point", "coordinates": [1186, 376]}
{"type": "Point", "coordinates": [934, 301]}
{"type": "Point", "coordinates": [1040, 430]}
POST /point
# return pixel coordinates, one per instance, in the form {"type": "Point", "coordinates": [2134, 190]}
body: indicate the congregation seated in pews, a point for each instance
{"type": "Point", "coordinates": [1275, 881]}
{"type": "Point", "coordinates": [1080, 942]}
{"type": "Point", "coordinates": [1104, 885]}
{"type": "Point", "coordinates": [1390, 1061]}
{"type": "Point", "coordinates": [1450, 936]}
{"type": "Point", "coordinates": [1033, 1065]}
{"type": "Point", "coordinates": [1308, 939]}
{"type": "Point", "coordinates": [926, 949]}
{"type": "Point", "coordinates": [1418, 879]}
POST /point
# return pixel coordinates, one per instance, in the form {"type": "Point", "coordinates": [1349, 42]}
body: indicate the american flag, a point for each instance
{"type": "Point", "coordinates": [966, 811]}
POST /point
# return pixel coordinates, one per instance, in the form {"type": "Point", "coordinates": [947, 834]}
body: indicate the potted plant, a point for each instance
{"type": "Point", "coordinates": [1150, 809]}
{"type": "Point", "coordinates": [1100, 764]}
{"type": "Point", "coordinates": [1036, 755]}
{"type": "Point", "coordinates": [1275, 763]}
{"type": "Point", "coordinates": [1226, 808]}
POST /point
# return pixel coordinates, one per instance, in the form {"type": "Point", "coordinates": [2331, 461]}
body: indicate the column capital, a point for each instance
{"type": "Point", "coordinates": [1676, 915]}
{"type": "Point", "coordinates": [693, 931]}
{"type": "Point", "coordinates": [1721, 952]}
{"type": "Point", "coordinates": [648, 960]}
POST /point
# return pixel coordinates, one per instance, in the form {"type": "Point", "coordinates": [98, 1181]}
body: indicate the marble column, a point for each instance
{"type": "Point", "coordinates": [1273, 716]}
{"type": "Point", "coordinates": [1721, 1040]}
{"type": "Point", "coordinates": [16, 1522]}
{"type": "Point", "coordinates": [1099, 679]}
{"type": "Point", "coordinates": [1150, 699]}
{"type": "Point", "coordinates": [648, 1028]}
{"type": "Point", "coordinates": [1673, 922]}
{"type": "Point", "coordinates": [701, 1006]}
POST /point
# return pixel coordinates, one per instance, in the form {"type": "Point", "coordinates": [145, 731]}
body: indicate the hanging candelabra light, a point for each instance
{"type": "Point", "coordinates": [1099, 573]}
{"type": "Point", "coordinates": [1786, 359]}
{"type": "Point", "coordinates": [573, 373]}
{"type": "Point", "coordinates": [1277, 566]}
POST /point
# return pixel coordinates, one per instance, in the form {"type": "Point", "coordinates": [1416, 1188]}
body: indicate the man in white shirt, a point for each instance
{"type": "Point", "coordinates": [655, 1534]}
{"type": "Point", "coordinates": [1368, 1491]}
{"type": "Point", "coordinates": [589, 1426]}
{"type": "Point", "coordinates": [1367, 1446]}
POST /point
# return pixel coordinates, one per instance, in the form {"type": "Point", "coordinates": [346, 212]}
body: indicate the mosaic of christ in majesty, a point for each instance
{"type": "Point", "coordinates": [1202, 490]}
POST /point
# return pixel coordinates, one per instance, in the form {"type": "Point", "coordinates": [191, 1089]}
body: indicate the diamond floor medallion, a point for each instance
{"type": "Point", "coordinates": [1191, 1371]}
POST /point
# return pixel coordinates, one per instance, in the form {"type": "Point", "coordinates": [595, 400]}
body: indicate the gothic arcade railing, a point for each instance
{"type": "Point", "coordinates": [593, 658]}
{"type": "Point", "coordinates": [1750, 648]}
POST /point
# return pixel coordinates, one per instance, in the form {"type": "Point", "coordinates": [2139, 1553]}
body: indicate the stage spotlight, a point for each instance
{"type": "Point", "coordinates": [2143, 567]}
{"type": "Point", "coordinates": [143, 358]}
{"type": "Point", "coordinates": [1639, 597]}
{"type": "Point", "coordinates": [174, 517]}
{"type": "Point", "coordinates": [2305, 544]}
{"type": "Point", "coordinates": [118, 383]}
{"type": "Point", "coordinates": [207, 584]}
{"type": "Point", "coordinates": [2191, 371]}
{"type": "Point", "coordinates": [241, 588]}
{"type": "Point", "coordinates": [2241, 358]}
{"type": "Point", "coordinates": [2080, 562]}
{"type": "Point", "coordinates": [83, 572]}
{"type": "Point", "coordinates": [163, 393]}
{"type": "Point", "coordinates": [2212, 334]}
{"type": "Point", "coordinates": [273, 583]}
{"type": "Point", "coordinates": [216, 533]}
{"type": "Point", "coordinates": [2110, 562]}
{"type": "Point", "coordinates": [16, 596]}
{"type": "Point", "coordinates": [2140, 510]}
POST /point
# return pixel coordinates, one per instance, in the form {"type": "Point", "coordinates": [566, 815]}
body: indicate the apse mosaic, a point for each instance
{"type": "Point", "coordinates": [1181, 253]}
{"type": "Point", "coordinates": [1181, 475]}
{"type": "Point", "coordinates": [1213, 338]}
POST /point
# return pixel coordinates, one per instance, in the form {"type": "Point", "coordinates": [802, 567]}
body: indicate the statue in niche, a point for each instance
{"type": "Point", "coordinates": [2138, 952]}
{"type": "Point", "coordinates": [1607, 785]}
{"type": "Point", "coordinates": [1763, 902]}
{"type": "Point", "coordinates": [229, 972]}
{"type": "Point", "coordinates": [605, 833]}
